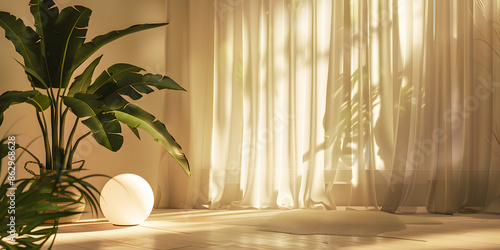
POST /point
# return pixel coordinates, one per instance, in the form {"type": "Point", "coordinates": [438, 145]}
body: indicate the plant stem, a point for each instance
{"type": "Point", "coordinates": [43, 126]}
{"type": "Point", "coordinates": [73, 149]}
{"type": "Point", "coordinates": [55, 140]}
{"type": "Point", "coordinates": [61, 128]}
{"type": "Point", "coordinates": [80, 139]}
{"type": "Point", "coordinates": [68, 144]}
{"type": "Point", "coordinates": [49, 164]}
{"type": "Point", "coordinates": [60, 116]}
{"type": "Point", "coordinates": [65, 90]}
{"type": "Point", "coordinates": [32, 155]}
{"type": "Point", "coordinates": [50, 94]}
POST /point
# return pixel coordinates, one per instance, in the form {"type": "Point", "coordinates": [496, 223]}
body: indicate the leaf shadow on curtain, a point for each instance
{"type": "Point", "coordinates": [290, 132]}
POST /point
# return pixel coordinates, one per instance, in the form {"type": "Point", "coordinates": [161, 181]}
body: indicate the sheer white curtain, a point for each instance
{"type": "Point", "coordinates": [316, 103]}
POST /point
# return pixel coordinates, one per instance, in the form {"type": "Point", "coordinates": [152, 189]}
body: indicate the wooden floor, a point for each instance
{"type": "Point", "coordinates": [216, 229]}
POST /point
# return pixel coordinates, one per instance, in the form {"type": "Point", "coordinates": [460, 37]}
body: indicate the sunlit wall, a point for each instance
{"type": "Point", "coordinates": [146, 50]}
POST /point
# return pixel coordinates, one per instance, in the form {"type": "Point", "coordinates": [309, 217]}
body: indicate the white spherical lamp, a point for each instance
{"type": "Point", "coordinates": [127, 199]}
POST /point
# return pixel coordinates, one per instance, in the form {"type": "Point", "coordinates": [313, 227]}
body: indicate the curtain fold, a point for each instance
{"type": "Point", "coordinates": [315, 104]}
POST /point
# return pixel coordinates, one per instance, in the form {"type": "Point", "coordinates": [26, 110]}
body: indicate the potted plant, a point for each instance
{"type": "Point", "coordinates": [26, 208]}
{"type": "Point", "coordinates": [51, 54]}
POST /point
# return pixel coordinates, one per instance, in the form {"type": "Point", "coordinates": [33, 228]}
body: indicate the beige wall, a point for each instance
{"type": "Point", "coordinates": [146, 49]}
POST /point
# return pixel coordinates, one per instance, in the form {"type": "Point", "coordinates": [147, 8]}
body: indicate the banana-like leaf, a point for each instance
{"type": "Point", "coordinates": [125, 79]}
{"type": "Point", "coordinates": [104, 126]}
{"type": "Point", "coordinates": [45, 13]}
{"type": "Point", "coordinates": [114, 73]}
{"type": "Point", "coordinates": [88, 49]}
{"type": "Point", "coordinates": [135, 131]}
{"type": "Point", "coordinates": [82, 82]}
{"type": "Point", "coordinates": [39, 101]}
{"type": "Point", "coordinates": [25, 40]}
{"type": "Point", "coordinates": [136, 117]}
{"type": "Point", "coordinates": [32, 73]}
{"type": "Point", "coordinates": [63, 42]}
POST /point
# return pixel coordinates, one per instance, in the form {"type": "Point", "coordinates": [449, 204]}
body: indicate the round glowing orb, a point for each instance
{"type": "Point", "coordinates": [127, 199]}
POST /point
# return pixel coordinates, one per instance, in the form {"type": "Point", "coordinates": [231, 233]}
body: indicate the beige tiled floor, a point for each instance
{"type": "Point", "coordinates": [201, 229]}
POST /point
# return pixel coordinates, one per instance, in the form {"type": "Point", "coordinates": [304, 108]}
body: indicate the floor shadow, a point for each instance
{"type": "Point", "coordinates": [85, 227]}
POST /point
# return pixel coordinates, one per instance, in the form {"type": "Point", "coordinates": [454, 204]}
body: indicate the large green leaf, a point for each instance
{"type": "Point", "coordinates": [136, 117]}
{"type": "Point", "coordinates": [33, 97]}
{"type": "Point", "coordinates": [62, 44]}
{"type": "Point", "coordinates": [45, 14]}
{"type": "Point", "coordinates": [82, 82]}
{"type": "Point", "coordinates": [25, 40]}
{"type": "Point", "coordinates": [125, 79]}
{"type": "Point", "coordinates": [32, 73]}
{"type": "Point", "coordinates": [104, 126]}
{"type": "Point", "coordinates": [117, 71]}
{"type": "Point", "coordinates": [4, 150]}
{"type": "Point", "coordinates": [88, 49]}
